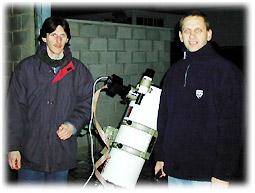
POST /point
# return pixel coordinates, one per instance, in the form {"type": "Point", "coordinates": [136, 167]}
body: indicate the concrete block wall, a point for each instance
{"type": "Point", "coordinates": [124, 50]}
{"type": "Point", "coordinates": [20, 35]}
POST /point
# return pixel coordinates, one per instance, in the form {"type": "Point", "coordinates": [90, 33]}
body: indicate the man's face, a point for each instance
{"type": "Point", "coordinates": [194, 34]}
{"type": "Point", "coordinates": [55, 42]}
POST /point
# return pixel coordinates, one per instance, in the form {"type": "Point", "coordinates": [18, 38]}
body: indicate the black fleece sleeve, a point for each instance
{"type": "Point", "coordinates": [230, 126]}
{"type": "Point", "coordinates": [161, 125]}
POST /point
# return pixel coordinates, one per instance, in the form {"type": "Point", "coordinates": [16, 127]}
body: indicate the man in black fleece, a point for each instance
{"type": "Point", "coordinates": [200, 113]}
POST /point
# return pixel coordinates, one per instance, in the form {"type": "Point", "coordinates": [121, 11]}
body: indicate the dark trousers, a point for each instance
{"type": "Point", "coordinates": [36, 177]}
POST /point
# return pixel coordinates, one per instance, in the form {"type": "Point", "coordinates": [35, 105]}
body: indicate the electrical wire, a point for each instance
{"type": "Point", "coordinates": [103, 137]}
{"type": "Point", "coordinates": [90, 125]}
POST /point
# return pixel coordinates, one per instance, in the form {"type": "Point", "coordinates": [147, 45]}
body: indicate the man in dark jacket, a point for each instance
{"type": "Point", "coordinates": [49, 102]}
{"type": "Point", "coordinates": [200, 113]}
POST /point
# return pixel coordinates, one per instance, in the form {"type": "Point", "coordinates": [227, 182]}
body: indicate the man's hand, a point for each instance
{"type": "Point", "coordinates": [14, 159]}
{"type": "Point", "coordinates": [160, 166]}
{"type": "Point", "coordinates": [65, 131]}
{"type": "Point", "coordinates": [216, 183]}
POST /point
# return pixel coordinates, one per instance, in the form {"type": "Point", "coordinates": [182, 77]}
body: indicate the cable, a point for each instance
{"type": "Point", "coordinates": [103, 137]}
{"type": "Point", "coordinates": [90, 125]}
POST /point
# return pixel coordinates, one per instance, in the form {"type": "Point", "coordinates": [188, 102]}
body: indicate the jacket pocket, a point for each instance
{"type": "Point", "coordinates": [66, 150]}
{"type": "Point", "coordinates": [32, 147]}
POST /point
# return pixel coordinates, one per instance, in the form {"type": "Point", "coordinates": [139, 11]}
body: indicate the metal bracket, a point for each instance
{"type": "Point", "coordinates": [131, 150]}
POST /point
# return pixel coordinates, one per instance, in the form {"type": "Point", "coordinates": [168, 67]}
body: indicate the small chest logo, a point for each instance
{"type": "Point", "coordinates": [199, 93]}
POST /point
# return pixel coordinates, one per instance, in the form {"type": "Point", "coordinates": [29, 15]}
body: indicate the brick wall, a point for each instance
{"type": "Point", "coordinates": [124, 50]}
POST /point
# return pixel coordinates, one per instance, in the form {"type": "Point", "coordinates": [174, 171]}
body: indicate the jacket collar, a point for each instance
{"type": "Point", "coordinates": [204, 51]}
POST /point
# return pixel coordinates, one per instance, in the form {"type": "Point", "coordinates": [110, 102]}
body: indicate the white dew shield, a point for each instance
{"type": "Point", "coordinates": [134, 141]}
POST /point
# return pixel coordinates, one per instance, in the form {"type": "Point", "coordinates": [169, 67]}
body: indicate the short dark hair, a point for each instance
{"type": "Point", "coordinates": [198, 14]}
{"type": "Point", "coordinates": [50, 25]}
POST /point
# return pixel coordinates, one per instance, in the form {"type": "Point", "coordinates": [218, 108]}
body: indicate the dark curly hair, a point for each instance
{"type": "Point", "coordinates": [50, 25]}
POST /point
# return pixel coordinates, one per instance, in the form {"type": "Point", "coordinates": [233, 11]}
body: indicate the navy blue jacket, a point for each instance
{"type": "Point", "coordinates": [39, 102]}
{"type": "Point", "coordinates": [200, 117]}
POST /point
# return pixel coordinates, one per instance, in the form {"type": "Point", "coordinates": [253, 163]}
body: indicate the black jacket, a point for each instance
{"type": "Point", "coordinates": [200, 117]}
{"type": "Point", "coordinates": [39, 102]}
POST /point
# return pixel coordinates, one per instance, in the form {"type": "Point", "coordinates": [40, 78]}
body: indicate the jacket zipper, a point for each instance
{"type": "Point", "coordinates": [187, 70]}
{"type": "Point", "coordinates": [186, 75]}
